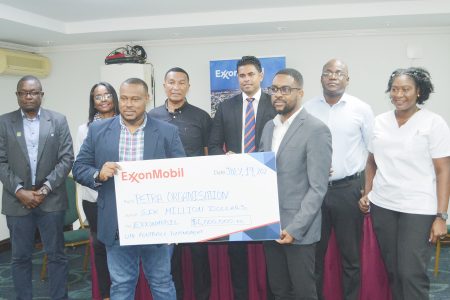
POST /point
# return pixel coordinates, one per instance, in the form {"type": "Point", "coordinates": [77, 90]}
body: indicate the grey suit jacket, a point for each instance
{"type": "Point", "coordinates": [55, 158]}
{"type": "Point", "coordinates": [303, 164]}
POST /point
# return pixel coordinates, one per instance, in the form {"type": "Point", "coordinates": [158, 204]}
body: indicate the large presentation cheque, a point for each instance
{"type": "Point", "coordinates": [197, 199]}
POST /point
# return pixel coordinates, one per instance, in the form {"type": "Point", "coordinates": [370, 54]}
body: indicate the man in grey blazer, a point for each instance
{"type": "Point", "coordinates": [302, 145]}
{"type": "Point", "coordinates": [36, 156]}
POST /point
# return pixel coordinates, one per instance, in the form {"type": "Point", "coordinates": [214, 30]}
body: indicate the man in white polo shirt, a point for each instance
{"type": "Point", "coordinates": [350, 122]}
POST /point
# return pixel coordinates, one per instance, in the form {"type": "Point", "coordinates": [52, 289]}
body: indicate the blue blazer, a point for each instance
{"type": "Point", "coordinates": [161, 140]}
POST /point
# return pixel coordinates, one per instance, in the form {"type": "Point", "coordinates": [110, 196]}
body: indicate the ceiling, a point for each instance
{"type": "Point", "coordinates": [66, 22]}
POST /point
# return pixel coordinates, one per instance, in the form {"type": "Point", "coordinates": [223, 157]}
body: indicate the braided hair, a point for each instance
{"type": "Point", "coordinates": [421, 78]}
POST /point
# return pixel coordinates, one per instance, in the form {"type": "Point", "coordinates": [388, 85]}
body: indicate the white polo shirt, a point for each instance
{"type": "Point", "coordinates": [405, 180]}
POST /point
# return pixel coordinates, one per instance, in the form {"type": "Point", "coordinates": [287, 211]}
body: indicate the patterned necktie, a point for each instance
{"type": "Point", "coordinates": [249, 130]}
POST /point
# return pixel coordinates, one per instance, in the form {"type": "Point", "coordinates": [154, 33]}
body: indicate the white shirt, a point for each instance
{"type": "Point", "coordinates": [255, 103]}
{"type": "Point", "coordinates": [405, 179]}
{"type": "Point", "coordinates": [85, 192]}
{"type": "Point", "coordinates": [280, 129]}
{"type": "Point", "coordinates": [350, 121]}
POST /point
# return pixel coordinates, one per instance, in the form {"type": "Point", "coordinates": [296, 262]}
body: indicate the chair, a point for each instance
{"type": "Point", "coordinates": [72, 238]}
{"type": "Point", "coordinates": [438, 250]}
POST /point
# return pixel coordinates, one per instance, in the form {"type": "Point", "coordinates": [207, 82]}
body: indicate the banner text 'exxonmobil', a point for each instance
{"type": "Point", "coordinates": [151, 174]}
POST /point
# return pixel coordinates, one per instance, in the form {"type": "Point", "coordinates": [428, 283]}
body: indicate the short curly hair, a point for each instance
{"type": "Point", "coordinates": [421, 78]}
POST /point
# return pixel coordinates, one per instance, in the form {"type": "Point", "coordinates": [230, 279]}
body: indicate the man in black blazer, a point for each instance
{"type": "Point", "coordinates": [227, 137]}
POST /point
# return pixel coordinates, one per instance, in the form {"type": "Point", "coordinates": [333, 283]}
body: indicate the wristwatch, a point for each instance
{"type": "Point", "coordinates": [95, 176]}
{"type": "Point", "coordinates": [443, 216]}
{"type": "Point", "coordinates": [44, 190]}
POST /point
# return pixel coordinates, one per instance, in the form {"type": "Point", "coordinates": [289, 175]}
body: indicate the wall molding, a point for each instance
{"type": "Point", "coordinates": [235, 39]}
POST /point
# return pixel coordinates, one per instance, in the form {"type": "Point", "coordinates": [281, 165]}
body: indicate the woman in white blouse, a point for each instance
{"type": "Point", "coordinates": [408, 182]}
{"type": "Point", "coordinates": [103, 103]}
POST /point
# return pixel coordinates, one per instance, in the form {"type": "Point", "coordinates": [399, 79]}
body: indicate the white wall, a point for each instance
{"type": "Point", "coordinates": [371, 58]}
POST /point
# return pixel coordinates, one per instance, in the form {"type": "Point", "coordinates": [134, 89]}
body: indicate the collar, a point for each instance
{"type": "Point", "coordinates": [122, 124]}
{"type": "Point", "coordinates": [24, 116]}
{"type": "Point", "coordinates": [343, 99]}
{"type": "Point", "coordinates": [257, 96]}
{"type": "Point", "coordinates": [288, 122]}
{"type": "Point", "coordinates": [177, 110]}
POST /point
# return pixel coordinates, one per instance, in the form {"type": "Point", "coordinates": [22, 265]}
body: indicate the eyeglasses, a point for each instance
{"type": "Point", "coordinates": [103, 97]}
{"type": "Point", "coordinates": [284, 90]}
{"type": "Point", "coordinates": [338, 74]}
{"type": "Point", "coordinates": [24, 94]}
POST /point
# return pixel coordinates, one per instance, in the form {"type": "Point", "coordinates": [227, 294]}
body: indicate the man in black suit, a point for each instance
{"type": "Point", "coordinates": [227, 137]}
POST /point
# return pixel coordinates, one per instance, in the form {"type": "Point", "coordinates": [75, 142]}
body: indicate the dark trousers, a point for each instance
{"type": "Point", "coordinates": [291, 270]}
{"type": "Point", "coordinates": [340, 211]}
{"type": "Point", "coordinates": [237, 251]}
{"type": "Point", "coordinates": [406, 251]}
{"type": "Point", "coordinates": [101, 263]}
{"type": "Point", "coordinates": [200, 265]}
{"type": "Point", "coordinates": [22, 232]}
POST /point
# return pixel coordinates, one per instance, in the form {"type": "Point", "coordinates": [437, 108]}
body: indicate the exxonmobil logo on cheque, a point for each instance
{"type": "Point", "coordinates": [151, 174]}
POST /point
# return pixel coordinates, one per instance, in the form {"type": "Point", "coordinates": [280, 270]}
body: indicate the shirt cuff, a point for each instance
{"type": "Point", "coordinates": [48, 185]}
{"type": "Point", "coordinates": [19, 186]}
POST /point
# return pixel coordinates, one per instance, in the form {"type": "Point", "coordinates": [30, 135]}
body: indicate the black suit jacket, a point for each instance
{"type": "Point", "coordinates": [227, 124]}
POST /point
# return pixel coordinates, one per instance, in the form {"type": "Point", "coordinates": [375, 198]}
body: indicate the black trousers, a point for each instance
{"type": "Point", "coordinates": [200, 265]}
{"type": "Point", "coordinates": [340, 211]}
{"type": "Point", "coordinates": [406, 251]}
{"type": "Point", "coordinates": [237, 251]}
{"type": "Point", "coordinates": [291, 270]}
{"type": "Point", "coordinates": [101, 264]}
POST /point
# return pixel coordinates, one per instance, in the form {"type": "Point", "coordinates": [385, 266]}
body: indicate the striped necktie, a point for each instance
{"type": "Point", "coordinates": [249, 130]}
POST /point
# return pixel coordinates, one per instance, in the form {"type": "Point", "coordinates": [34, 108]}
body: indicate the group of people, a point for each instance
{"type": "Point", "coordinates": [335, 162]}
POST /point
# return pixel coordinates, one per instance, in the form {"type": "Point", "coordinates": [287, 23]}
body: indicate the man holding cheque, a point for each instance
{"type": "Point", "coordinates": [131, 136]}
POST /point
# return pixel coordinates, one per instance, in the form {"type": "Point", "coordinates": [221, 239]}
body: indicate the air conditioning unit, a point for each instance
{"type": "Point", "coordinates": [14, 62]}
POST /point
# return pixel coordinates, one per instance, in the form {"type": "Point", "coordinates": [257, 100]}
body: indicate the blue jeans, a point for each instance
{"type": "Point", "coordinates": [22, 230]}
{"type": "Point", "coordinates": [123, 264]}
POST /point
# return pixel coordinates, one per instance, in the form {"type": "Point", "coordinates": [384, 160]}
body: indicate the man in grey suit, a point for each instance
{"type": "Point", "coordinates": [302, 145]}
{"type": "Point", "coordinates": [36, 156]}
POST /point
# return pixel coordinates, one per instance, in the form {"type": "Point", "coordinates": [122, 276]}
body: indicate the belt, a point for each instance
{"type": "Point", "coordinates": [345, 179]}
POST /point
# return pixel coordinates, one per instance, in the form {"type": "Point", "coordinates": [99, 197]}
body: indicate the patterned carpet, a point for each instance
{"type": "Point", "coordinates": [80, 281]}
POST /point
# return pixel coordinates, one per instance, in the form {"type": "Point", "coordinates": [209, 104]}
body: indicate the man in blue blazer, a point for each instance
{"type": "Point", "coordinates": [227, 136]}
{"type": "Point", "coordinates": [35, 157]}
{"type": "Point", "coordinates": [130, 136]}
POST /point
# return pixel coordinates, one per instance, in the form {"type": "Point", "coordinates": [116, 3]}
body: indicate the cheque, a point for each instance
{"type": "Point", "coordinates": [198, 199]}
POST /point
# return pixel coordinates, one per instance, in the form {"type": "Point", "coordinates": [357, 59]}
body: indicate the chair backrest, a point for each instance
{"type": "Point", "coordinates": [71, 214]}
